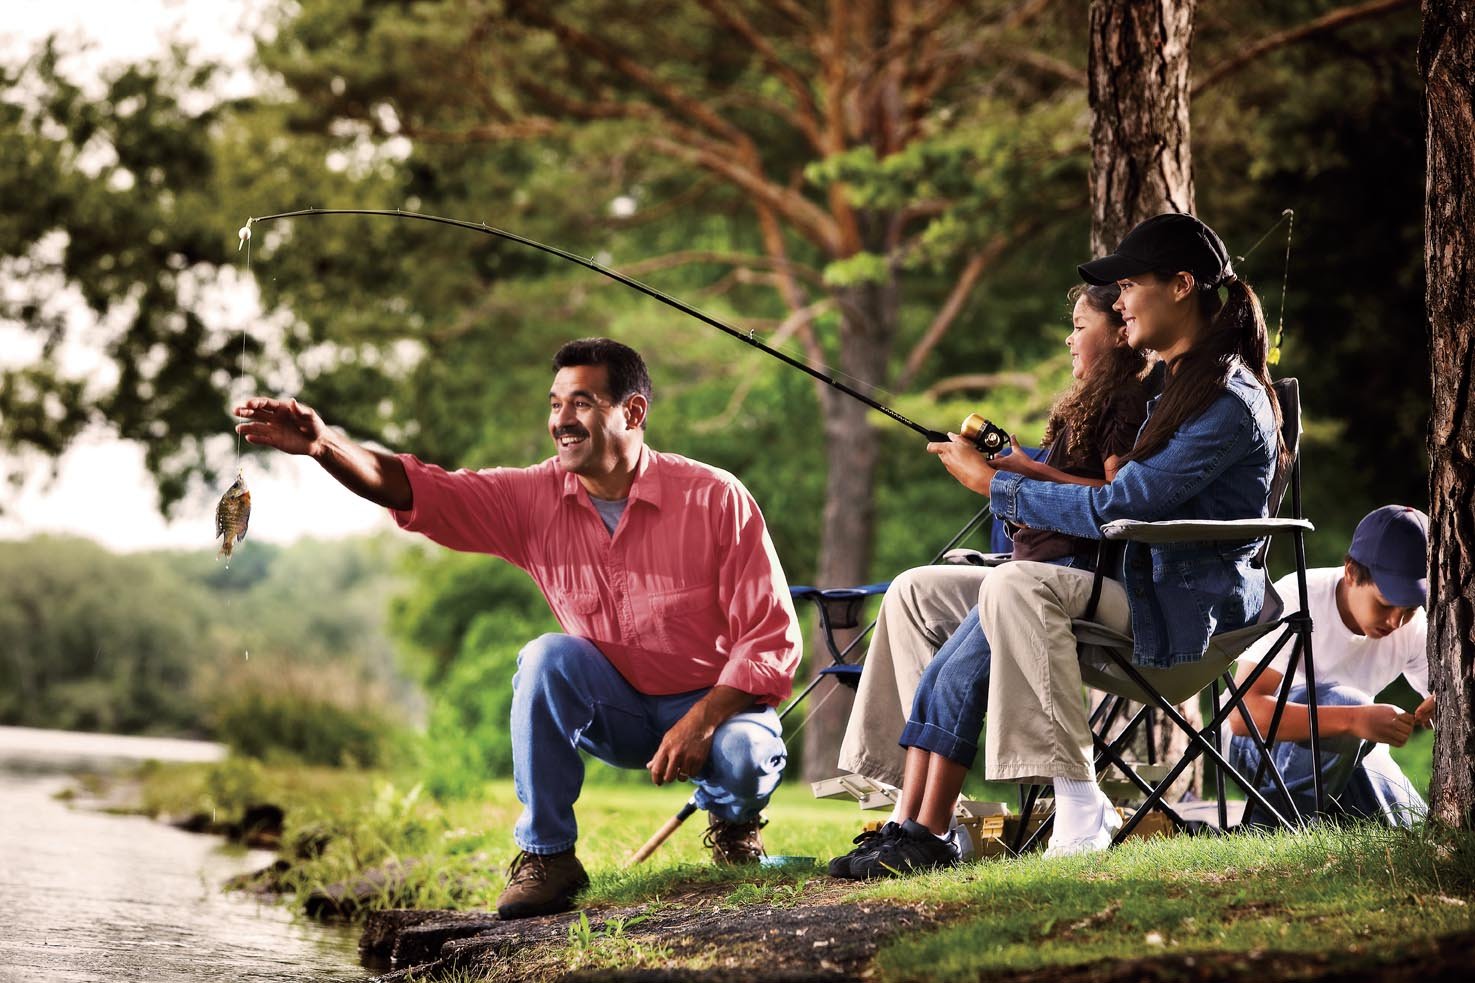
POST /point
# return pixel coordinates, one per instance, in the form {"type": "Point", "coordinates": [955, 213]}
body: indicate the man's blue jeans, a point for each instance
{"type": "Point", "coordinates": [1377, 788]}
{"type": "Point", "coordinates": [567, 697]}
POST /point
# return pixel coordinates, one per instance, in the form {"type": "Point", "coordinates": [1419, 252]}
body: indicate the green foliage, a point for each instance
{"type": "Point", "coordinates": [171, 642]}
{"type": "Point", "coordinates": [469, 739]}
{"type": "Point", "coordinates": [276, 721]}
{"type": "Point", "coordinates": [96, 641]}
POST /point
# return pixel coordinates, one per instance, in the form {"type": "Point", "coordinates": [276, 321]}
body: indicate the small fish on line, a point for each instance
{"type": "Point", "coordinates": [232, 516]}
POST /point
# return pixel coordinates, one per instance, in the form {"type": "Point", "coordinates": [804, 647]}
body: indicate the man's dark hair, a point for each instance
{"type": "Point", "coordinates": [1358, 573]}
{"type": "Point", "coordinates": [623, 364]}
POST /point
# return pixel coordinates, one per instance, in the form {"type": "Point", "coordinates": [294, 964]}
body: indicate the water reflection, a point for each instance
{"type": "Point", "coordinates": [88, 896]}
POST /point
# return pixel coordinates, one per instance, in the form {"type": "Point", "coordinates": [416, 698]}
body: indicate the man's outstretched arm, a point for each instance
{"type": "Point", "coordinates": [293, 428]}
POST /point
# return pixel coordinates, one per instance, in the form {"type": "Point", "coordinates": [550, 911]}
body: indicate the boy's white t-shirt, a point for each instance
{"type": "Point", "coordinates": [1340, 656]}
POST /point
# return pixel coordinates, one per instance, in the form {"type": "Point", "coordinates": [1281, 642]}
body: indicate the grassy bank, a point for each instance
{"type": "Point", "coordinates": [1337, 896]}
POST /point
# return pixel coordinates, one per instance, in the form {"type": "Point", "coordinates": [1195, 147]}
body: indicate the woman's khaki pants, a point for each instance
{"type": "Point", "coordinates": [1036, 705]}
{"type": "Point", "coordinates": [1037, 724]}
{"type": "Point", "coordinates": [920, 611]}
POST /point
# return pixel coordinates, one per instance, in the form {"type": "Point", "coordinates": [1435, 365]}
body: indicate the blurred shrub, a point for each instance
{"type": "Point", "coordinates": [310, 715]}
{"type": "Point", "coordinates": [469, 738]}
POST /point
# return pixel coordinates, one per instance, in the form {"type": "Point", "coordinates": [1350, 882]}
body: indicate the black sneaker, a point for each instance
{"type": "Point", "coordinates": [866, 845]}
{"type": "Point", "coordinates": [912, 848]}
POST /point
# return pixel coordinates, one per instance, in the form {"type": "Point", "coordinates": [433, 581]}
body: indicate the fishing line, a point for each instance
{"type": "Point", "coordinates": [1289, 217]}
{"type": "Point", "coordinates": [748, 337]}
{"type": "Point", "coordinates": [244, 237]}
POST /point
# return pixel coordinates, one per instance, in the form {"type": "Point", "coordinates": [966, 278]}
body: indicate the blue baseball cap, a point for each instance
{"type": "Point", "coordinates": [1393, 543]}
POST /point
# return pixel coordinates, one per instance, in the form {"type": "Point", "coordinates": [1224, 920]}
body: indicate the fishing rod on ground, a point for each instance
{"type": "Point", "coordinates": [987, 437]}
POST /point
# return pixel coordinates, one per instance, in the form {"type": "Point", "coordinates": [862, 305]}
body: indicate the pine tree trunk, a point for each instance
{"type": "Point", "coordinates": [847, 537]}
{"type": "Point", "coordinates": [1447, 59]}
{"type": "Point", "coordinates": [1142, 165]}
{"type": "Point", "coordinates": [1141, 162]}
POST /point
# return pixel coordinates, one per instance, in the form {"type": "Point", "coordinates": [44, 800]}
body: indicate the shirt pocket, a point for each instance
{"type": "Point", "coordinates": [578, 605]}
{"type": "Point", "coordinates": [681, 620]}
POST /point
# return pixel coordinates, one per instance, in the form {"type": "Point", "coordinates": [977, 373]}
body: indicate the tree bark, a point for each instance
{"type": "Point", "coordinates": [1447, 60]}
{"type": "Point", "coordinates": [868, 330]}
{"type": "Point", "coordinates": [1142, 165]}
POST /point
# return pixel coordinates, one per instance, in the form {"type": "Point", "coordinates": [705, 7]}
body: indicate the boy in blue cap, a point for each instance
{"type": "Point", "coordinates": [1369, 628]}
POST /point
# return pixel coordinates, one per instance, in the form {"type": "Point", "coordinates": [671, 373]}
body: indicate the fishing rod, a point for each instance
{"type": "Point", "coordinates": [987, 437]}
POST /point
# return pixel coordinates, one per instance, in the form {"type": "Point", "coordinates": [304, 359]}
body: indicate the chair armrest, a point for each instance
{"type": "Point", "coordinates": [1200, 530]}
{"type": "Point", "coordinates": [818, 594]}
{"type": "Point", "coordinates": [975, 558]}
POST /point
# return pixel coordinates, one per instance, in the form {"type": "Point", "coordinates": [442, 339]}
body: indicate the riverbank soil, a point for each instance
{"type": "Point", "coordinates": [699, 935]}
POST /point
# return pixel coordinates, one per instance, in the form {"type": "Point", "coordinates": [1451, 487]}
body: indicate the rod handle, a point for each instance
{"type": "Point", "coordinates": [663, 834]}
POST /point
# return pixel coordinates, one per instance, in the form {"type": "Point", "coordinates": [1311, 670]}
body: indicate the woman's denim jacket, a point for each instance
{"type": "Point", "coordinates": [1217, 466]}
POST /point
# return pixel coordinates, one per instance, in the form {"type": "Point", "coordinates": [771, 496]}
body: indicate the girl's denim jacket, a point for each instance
{"type": "Point", "coordinates": [1217, 466]}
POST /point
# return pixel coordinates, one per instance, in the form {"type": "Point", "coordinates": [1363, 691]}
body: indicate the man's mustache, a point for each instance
{"type": "Point", "coordinates": [570, 432]}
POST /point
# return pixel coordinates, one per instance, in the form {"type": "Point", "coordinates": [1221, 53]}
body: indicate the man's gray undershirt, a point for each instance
{"type": "Point", "coordinates": [609, 511]}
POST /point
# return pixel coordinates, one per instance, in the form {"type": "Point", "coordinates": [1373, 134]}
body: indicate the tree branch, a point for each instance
{"type": "Point", "coordinates": [689, 256]}
{"type": "Point", "coordinates": [807, 114]}
{"type": "Point", "coordinates": [1329, 21]}
{"type": "Point", "coordinates": [981, 381]}
{"type": "Point", "coordinates": [951, 308]}
{"type": "Point", "coordinates": [622, 64]}
{"type": "Point", "coordinates": [804, 214]}
{"type": "Point", "coordinates": [524, 129]}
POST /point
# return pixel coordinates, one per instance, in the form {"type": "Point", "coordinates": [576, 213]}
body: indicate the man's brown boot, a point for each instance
{"type": "Point", "coordinates": [541, 884]}
{"type": "Point", "coordinates": [735, 843]}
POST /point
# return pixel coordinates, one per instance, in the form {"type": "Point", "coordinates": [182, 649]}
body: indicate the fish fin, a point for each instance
{"type": "Point", "coordinates": [245, 519]}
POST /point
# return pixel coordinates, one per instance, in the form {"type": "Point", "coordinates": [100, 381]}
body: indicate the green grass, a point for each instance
{"type": "Point", "coordinates": [463, 846]}
{"type": "Point", "coordinates": [1360, 891]}
{"type": "Point", "coordinates": [1356, 891]}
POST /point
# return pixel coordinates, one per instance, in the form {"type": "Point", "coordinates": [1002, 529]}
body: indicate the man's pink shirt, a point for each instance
{"type": "Point", "coordinates": [687, 594]}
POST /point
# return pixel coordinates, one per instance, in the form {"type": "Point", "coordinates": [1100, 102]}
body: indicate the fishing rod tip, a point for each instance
{"type": "Point", "coordinates": [1288, 211]}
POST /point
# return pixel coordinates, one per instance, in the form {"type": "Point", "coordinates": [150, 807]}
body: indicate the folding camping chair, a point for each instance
{"type": "Point", "coordinates": [1106, 662]}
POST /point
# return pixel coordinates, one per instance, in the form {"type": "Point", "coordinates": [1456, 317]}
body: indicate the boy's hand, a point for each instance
{"type": "Point", "coordinates": [1384, 723]}
{"type": "Point", "coordinates": [1424, 713]}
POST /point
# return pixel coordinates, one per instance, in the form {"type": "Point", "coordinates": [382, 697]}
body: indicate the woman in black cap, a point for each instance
{"type": "Point", "coordinates": [1208, 450]}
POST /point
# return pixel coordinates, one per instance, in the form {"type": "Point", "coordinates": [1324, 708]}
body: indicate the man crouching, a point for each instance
{"type": "Point", "coordinates": [679, 635]}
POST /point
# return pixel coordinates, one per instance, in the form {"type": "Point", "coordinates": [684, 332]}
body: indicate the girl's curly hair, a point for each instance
{"type": "Point", "coordinates": [1122, 371]}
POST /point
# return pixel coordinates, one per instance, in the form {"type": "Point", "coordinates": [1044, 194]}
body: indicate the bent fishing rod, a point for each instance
{"type": "Point", "coordinates": [987, 437]}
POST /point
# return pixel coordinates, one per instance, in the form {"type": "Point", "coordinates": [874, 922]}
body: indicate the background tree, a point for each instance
{"type": "Point", "coordinates": [1141, 166]}
{"type": "Point", "coordinates": [1447, 58]}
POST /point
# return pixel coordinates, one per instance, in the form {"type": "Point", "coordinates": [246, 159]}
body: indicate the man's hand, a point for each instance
{"type": "Point", "coordinates": [286, 425]}
{"type": "Point", "coordinates": [684, 749]}
{"type": "Point", "coordinates": [293, 428]}
{"type": "Point", "coordinates": [686, 746]}
{"type": "Point", "coordinates": [1384, 723]}
{"type": "Point", "coordinates": [965, 462]}
{"type": "Point", "coordinates": [1424, 713]}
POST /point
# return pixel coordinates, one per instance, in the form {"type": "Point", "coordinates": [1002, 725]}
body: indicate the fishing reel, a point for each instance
{"type": "Point", "coordinates": [987, 437]}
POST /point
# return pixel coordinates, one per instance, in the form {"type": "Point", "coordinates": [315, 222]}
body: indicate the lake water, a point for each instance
{"type": "Point", "coordinates": [88, 896]}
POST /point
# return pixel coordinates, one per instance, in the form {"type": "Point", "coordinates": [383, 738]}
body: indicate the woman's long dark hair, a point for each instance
{"type": "Point", "coordinates": [1081, 407]}
{"type": "Point", "coordinates": [1236, 329]}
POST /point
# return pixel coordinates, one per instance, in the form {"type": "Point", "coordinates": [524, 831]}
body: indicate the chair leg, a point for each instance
{"type": "Point", "coordinates": [1262, 744]}
{"type": "Point", "coordinates": [1196, 741]}
{"type": "Point", "coordinates": [1219, 775]}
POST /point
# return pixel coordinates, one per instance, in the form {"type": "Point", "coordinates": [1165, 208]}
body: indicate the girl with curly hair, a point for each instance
{"type": "Point", "coordinates": [929, 615]}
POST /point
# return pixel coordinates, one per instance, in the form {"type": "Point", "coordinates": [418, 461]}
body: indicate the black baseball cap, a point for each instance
{"type": "Point", "coordinates": [1393, 543]}
{"type": "Point", "coordinates": [1165, 243]}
